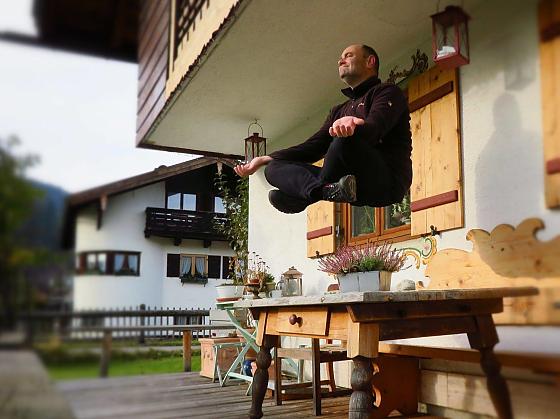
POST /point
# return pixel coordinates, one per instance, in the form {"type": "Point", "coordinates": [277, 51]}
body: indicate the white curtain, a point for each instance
{"type": "Point", "coordinates": [119, 262]}
{"type": "Point", "coordinates": [102, 262]}
{"type": "Point", "coordinates": [199, 266]}
{"type": "Point", "coordinates": [91, 261]}
{"type": "Point", "coordinates": [186, 262]}
{"type": "Point", "coordinates": [133, 263]}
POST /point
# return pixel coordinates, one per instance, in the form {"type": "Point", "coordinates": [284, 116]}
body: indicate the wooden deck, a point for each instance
{"type": "Point", "coordinates": [181, 395]}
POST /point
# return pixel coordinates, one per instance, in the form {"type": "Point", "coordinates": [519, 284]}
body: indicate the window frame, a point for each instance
{"type": "Point", "coordinates": [395, 234]}
{"type": "Point", "coordinates": [193, 262]}
{"type": "Point", "coordinates": [168, 193]}
{"type": "Point", "coordinates": [81, 267]}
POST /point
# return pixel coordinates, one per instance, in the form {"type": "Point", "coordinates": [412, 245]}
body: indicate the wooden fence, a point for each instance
{"type": "Point", "coordinates": [128, 323]}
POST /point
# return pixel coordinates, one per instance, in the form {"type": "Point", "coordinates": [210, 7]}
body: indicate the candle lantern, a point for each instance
{"type": "Point", "coordinates": [255, 145]}
{"type": "Point", "coordinates": [450, 37]}
{"type": "Point", "coordinates": [291, 282]}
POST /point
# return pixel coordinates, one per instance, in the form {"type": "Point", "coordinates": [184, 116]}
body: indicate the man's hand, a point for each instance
{"type": "Point", "coordinates": [345, 126]}
{"type": "Point", "coordinates": [248, 169]}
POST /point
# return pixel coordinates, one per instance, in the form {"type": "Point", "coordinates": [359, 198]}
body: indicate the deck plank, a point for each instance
{"type": "Point", "coordinates": [178, 395]}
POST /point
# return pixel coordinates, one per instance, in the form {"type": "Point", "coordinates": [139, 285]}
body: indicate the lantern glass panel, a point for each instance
{"type": "Point", "coordinates": [445, 41]}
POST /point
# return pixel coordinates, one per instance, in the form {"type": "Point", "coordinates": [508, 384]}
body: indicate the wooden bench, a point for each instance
{"type": "Point", "coordinates": [504, 257]}
{"type": "Point", "coordinates": [107, 338]}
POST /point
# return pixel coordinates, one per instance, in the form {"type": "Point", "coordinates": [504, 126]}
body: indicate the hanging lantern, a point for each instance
{"type": "Point", "coordinates": [255, 145]}
{"type": "Point", "coordinates": [450, 37]}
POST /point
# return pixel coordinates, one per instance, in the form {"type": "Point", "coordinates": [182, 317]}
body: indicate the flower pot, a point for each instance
{"type": "Point", "coordinates": [365, 281]}
{"type": "Point", "coordinates": [229, 292]}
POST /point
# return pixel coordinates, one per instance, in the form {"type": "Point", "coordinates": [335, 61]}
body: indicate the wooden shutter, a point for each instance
{"type": "Point", "coordinates": [214, 263]}
{"type": "Point", "coordinates": [549, 28]}
{"type": "Point", "coordinates": [173, 265]}
{"type": "Point", "coordinates": [436, 192]}
{"type": "Point", "coordinates": [320, 227]}
{"type": "Point", "coordinates": [226, 273]}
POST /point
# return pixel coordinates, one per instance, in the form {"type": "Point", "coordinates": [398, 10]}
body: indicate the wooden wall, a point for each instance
{"type": "Point", "coordinates": [153, 40]}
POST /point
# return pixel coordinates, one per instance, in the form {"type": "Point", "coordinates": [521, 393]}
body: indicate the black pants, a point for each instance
{"type": "Point", "coordinates": [374, 180]}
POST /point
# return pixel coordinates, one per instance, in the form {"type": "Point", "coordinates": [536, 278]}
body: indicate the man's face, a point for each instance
{"type": "Point", "coordinates": [353, 65]}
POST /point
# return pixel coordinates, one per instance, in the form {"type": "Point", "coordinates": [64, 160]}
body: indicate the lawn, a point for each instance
{"type": "Point", "coordinates": [120, 367]}
{"type": "Point", "coordinates": [69, 360]}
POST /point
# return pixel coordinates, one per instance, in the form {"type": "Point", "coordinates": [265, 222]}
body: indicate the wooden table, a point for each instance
{"type": "Point", "coordinates": [364, 319]}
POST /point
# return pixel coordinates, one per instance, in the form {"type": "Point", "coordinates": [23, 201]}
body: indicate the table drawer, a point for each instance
{"type": "Point", "coordinates": [303, 321]}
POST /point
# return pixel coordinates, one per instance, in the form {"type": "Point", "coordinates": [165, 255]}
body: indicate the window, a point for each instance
{"type": "Point", "coordinates": [126, 263]}
{"type": "Point", "coordinates": [367, 223]}
{"type": "Point", "coordinates": [219, 205]}
{"type": "Point", "coordinates": [194, 268]}
{"type": "Point", "coordinates": [189, 202]}
{"type": "Point", "coordinates": [174, 201]}
{"type": "Point", "coordinates": [108, 262]}
{"type": "Point", "coordinates": [181, 201]}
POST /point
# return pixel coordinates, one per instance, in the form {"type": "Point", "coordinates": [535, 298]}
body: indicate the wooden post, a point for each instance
{"type": "Point", "coordinates": [141, 339]}
{"type": "Point", "coordinates": [187, 350]}
{"type": "Point", "coordinates": [105, 353]}
{"type": "Point", "coordinates": [316, 373]}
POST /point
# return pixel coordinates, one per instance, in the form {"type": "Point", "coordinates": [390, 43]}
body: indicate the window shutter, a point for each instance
{"type": "Point", "coordinates": [549, 28]}
{"type": "Point", "coordinates": [214, 265]}
{"type": "Point", "coordinates": [173, 265]}
{"type": "Point", "coordinates": [436, 192]}
{"type": "Point", "coordinates": [320, 227]}
{"type": "Point", "coordinates": [226, 274]}
{"type": "Point", "coordinates": [110, 262]}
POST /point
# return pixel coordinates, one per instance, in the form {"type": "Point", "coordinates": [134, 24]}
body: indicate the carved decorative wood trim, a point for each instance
{"type": "Point", "coordinates": [419, 65]}
{"type": "Point", "coordinates": [506, 257]}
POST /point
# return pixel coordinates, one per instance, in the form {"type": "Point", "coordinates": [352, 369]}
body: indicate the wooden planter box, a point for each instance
{"type": "Point", "coordinates": [225, 356]}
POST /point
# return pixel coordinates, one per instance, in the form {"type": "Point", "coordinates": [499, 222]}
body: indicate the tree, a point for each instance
{"type": "Point", "coordinates": [17, 196]}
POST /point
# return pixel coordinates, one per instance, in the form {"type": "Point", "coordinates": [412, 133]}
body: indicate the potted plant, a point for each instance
{"type": "Point", "coordinates": [259, 279]}
{"type": "Point", "coordinates": [366, 268]}
{"type": "Point", "coordinates": [233, 289]}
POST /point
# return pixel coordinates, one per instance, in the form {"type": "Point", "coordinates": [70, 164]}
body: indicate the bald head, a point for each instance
{"type": "Point", "coordinates": [357, 63]}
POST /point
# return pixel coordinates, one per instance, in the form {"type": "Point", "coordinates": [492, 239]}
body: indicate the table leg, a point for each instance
{"type": "Point", "coordinates": [362, 399]}
{"type": "Point", "coordinates": [260, 379]}
{"type": "Point", "coordinates": [484, 340]}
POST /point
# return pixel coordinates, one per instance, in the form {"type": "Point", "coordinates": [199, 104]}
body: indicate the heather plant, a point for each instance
{"type": "Point", "coordinates": [370, 257]}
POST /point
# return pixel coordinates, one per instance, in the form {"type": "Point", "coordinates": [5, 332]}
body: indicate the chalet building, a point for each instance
{"type": "Point", "coordinates": [485, 138]}
{"type": "Point", "coordinates": [151, 239]}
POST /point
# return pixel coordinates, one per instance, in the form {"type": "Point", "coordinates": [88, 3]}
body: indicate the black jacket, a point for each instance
{"type": "Point", "coordinates": [387, 128]}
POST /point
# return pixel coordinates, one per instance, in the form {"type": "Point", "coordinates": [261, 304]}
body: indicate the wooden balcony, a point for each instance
{"type": "Point", "coordinates": [182, 224]}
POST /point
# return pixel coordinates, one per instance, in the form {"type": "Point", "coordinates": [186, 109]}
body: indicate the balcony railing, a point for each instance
{"type": "Point", "coordinates": [182, 224]}
{"type": "Point", "coordinates": [186, 13]}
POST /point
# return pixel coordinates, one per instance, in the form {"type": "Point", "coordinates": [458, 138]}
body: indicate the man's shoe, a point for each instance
{"type": "Point", "coordinates": [342, 191]}
{"type": "Point", "coordinates": [286, 203]}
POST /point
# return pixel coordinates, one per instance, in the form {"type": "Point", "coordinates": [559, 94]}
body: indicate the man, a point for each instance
{"type": "Point", "coordinates": [365, 141]}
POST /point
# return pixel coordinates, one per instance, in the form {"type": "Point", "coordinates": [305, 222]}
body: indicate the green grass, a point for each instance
{"type": "Point", "coordinates": [120, 367]}
{"type": "Point", "coordinates": [117, 343]}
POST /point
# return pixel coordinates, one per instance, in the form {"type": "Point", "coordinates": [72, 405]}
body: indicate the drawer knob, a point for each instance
{"type": "Point", "coordinates": [295, 320]}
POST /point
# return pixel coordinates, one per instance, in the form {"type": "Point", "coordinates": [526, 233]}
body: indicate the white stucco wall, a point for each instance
{"type": "Point", "coordinates": [123, 229]}
{"type": "Point", "coordinates": [502, 158]}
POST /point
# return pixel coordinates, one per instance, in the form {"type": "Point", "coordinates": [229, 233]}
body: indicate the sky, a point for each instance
{"type": "Point", "coordinates": [77, 113]}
